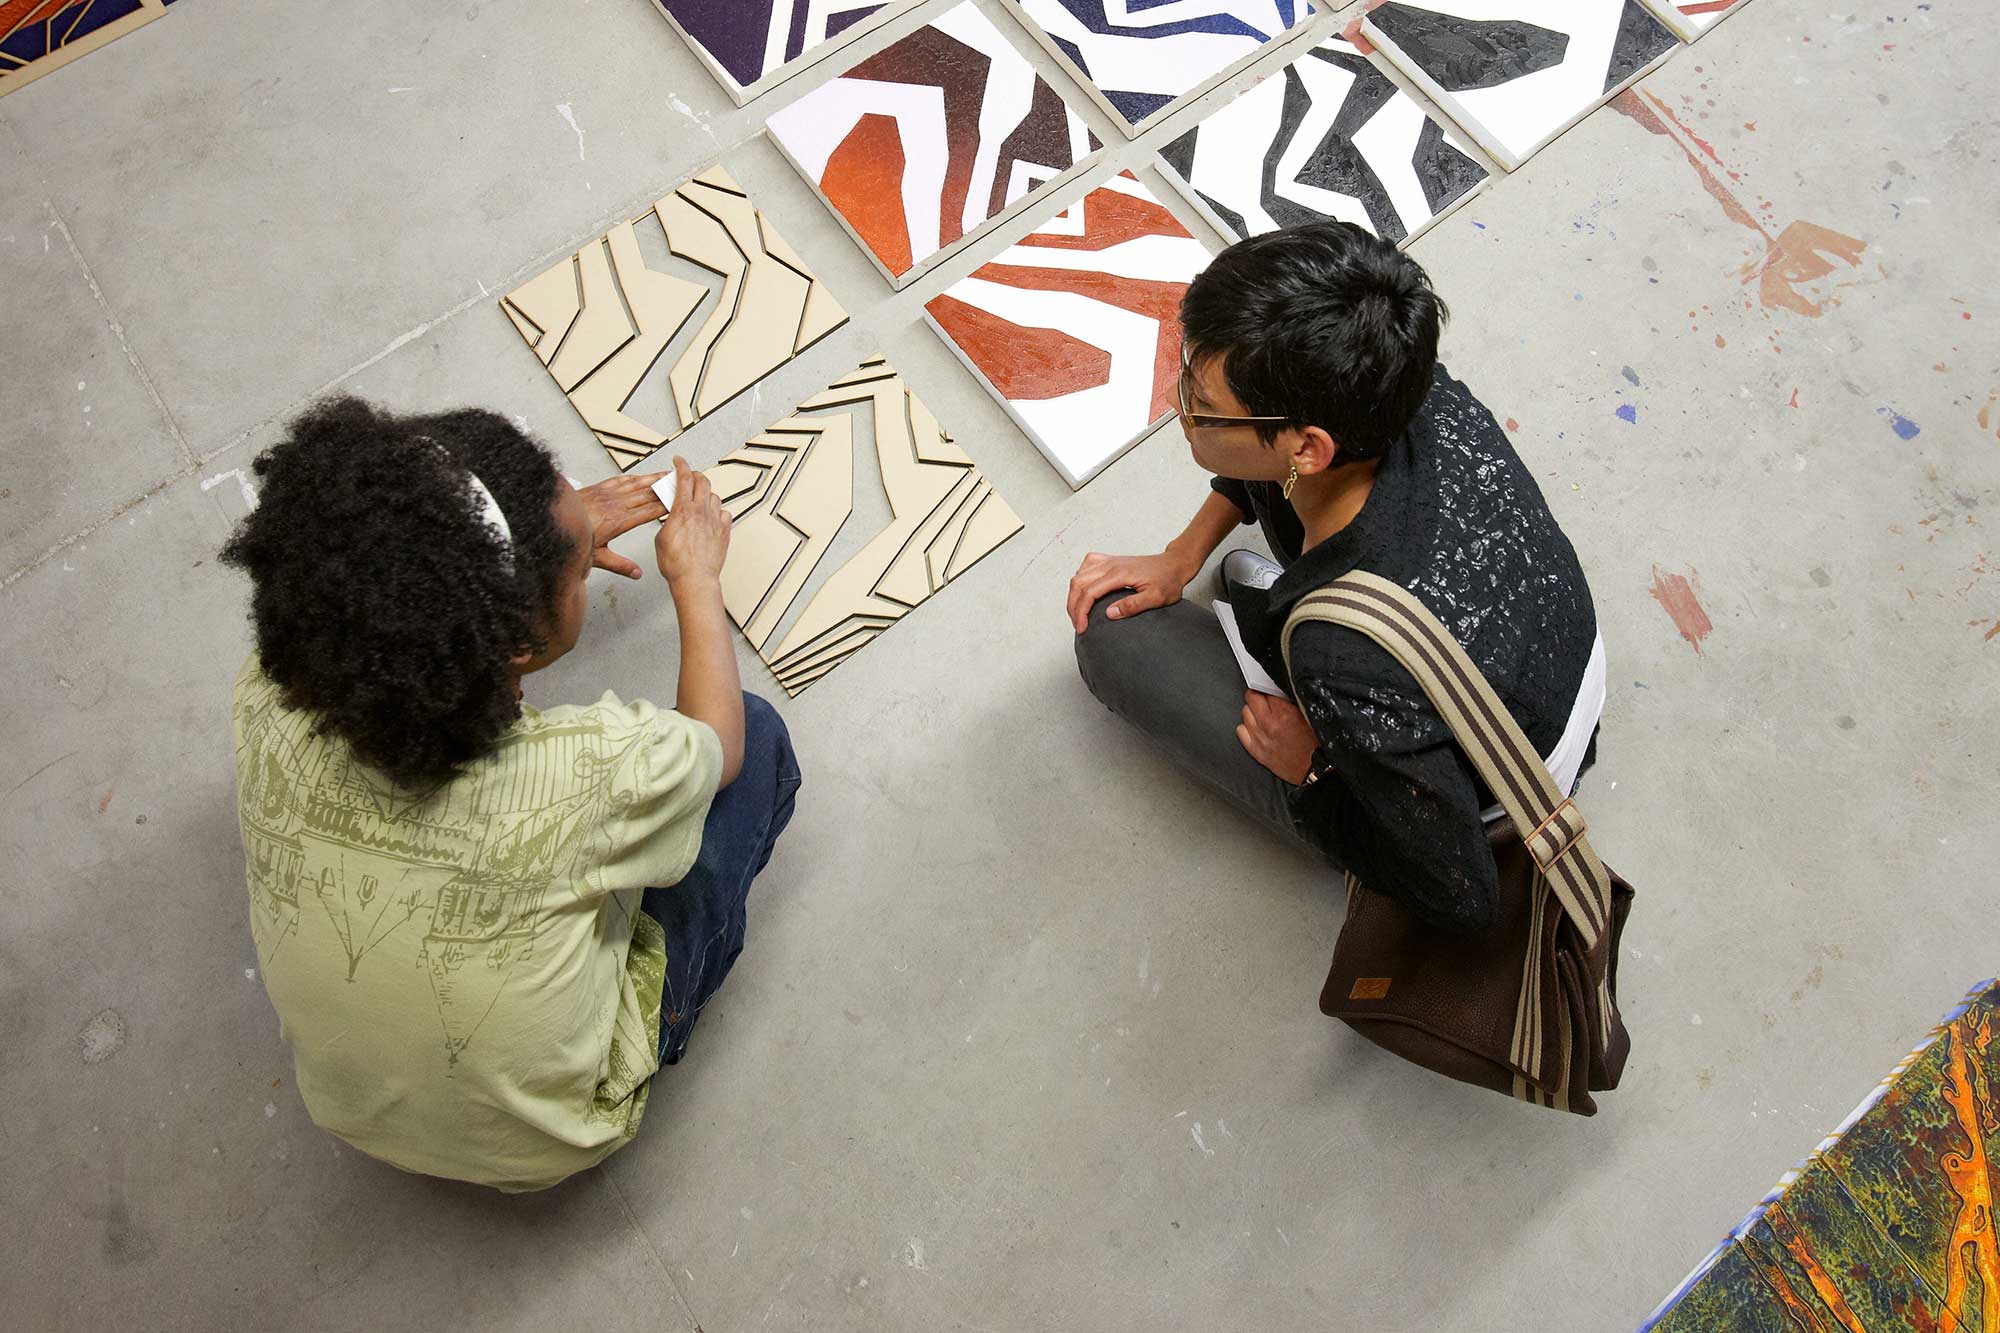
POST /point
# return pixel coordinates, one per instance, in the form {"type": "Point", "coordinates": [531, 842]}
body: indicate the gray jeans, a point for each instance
{"type": "Point", "coordinates": [1170, 674]}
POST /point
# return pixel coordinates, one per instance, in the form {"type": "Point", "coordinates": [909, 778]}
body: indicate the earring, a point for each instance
{"type": "Point", "coordinates": [1292, 481]}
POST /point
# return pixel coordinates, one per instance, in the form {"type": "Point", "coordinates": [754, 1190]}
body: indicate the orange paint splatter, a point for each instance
{"type": "Point", "coordinates": [105, 803]}
{"type": "Point", "coordinates": [1794, 256]}
{"type": "Point", "coordinates": [1987, 417]}
{"type": "Point", "coordinates": [1992, 633]}
{"type": "Point", "coordinates": [1513, 424]}
{"type": "Point", "coordinates": [1720, 341]}
{"type": "Point", "coordinates": [1676, 595]}
{"type": "Point", "coordinates": [1795, 398]}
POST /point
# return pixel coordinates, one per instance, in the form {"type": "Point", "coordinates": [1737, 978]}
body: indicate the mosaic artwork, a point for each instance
{"type": "Point", "coordinates": [1517, 73]}
{"type": "Point", "coordinates": [1327, 136]}
{"type": "Point", "coordinates": [1140, 60]}
{"type": "Point", "coordinates": [925, 144]}
{"type": "Point", "coordinates": [1692, 18]}
{"type": "Point", "coordinates": [39, 36]}
{"type": "Point", "coordinates": [790, 491]}
{"type": "Point", "coordinates": [1889, 1225]}
{"type": "Point", "coordinates": [752, 45]}
{"type": "Point", "coordinates": [1076, 329]}
{"type": "Point", "coordinates": [602, 318]}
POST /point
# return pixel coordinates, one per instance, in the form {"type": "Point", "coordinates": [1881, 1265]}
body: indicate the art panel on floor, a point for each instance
{"type": "Point", "coordinates": [602, 318]}
{"type": "Point", "coordinates": [790, 491]}
{"type": "Point", "coordinates": [1075, 329]}
{"type": "Point", "coordinates": [1514, 74]}
{"type": "Point", "coordinates": [1327, 136]}
{"type": "Point", "coordinates": [932, 140]}
{"type": "Point", "coordinates": [38, 37]}
{"type": "Point", "coordinates": [1141, 61]}
{"type": "Point", "coordinates": [1692, 19]}
{"type": "Point", "coordinates": [751, 46]}
{"type": "Point", "coordinates": [1888, 1225]}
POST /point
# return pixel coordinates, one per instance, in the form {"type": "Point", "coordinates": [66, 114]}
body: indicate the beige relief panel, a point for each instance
{"type": "Point", "coordinates": [601, 318]}
{"type": "Point", "coordinates": [790, 491]}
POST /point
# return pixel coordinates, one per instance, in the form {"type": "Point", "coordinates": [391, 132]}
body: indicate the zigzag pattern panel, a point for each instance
{"type": "Point", "coordinates": [752, 45]}
{"type": "Point", "coordinates": [791, 491]}
{"type": "Point", "coordinates": [38, 36]}
{"type": "Point", "coordinates": [603, 317]}
{"type": "Point", "coordinates": [1327, 136]}
{"type": "Point", "coordinates": [1142, 58]}
{"type": "Point", "coordinates": [925, 144]}
{"type": "Point", "coordinates": [1517, 73]}
{"type": "Point", "coordinates": [1076, 329]}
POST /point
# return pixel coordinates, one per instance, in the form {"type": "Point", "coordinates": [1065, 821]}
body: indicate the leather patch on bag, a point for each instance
{"type": "Point", "coordinates": [1370, 988]}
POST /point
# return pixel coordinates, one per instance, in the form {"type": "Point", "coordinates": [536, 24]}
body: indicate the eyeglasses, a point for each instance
{"type": "Point", "coordinates": [1193, 420]}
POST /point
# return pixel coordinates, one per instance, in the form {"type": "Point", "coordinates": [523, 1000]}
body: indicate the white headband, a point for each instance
{"type": "Point", "coordinates": [496, 521]}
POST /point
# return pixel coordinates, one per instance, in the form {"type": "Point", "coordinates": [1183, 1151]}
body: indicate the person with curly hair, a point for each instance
{"type": "Point", "coordinates": [484, 926]}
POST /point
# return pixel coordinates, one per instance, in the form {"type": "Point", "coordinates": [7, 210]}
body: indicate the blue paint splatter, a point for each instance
{"type": "Point", "coordinates": [1480, 225]}
{"type": "Point", "coordinates": [1902, 425]}
{"type": "Point", "coordinates": [1628, 414]}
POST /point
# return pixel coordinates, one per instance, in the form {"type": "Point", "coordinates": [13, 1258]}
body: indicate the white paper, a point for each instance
{"type": "Point", "coordinates": [664, 488]}
{"type": "Point", "coordinates": [1254, 674]}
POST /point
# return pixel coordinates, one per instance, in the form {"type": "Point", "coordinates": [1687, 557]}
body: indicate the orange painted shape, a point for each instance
{"type": "Point", "coordinates": [1676, 595]}
{"type": "Point", "coordinates": [864, 183]}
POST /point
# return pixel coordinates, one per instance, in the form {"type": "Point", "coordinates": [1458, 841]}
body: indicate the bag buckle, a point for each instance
{"type": "Point", "coordinates": [1556, 835]}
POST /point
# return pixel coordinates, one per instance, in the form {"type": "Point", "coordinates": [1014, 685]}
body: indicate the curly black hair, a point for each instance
{"type": "Point", "coordinates": [382, 601]}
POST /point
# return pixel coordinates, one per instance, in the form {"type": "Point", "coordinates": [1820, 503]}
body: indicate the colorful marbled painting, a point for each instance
{"type": "Point", "coordinates": [1889, 1225]}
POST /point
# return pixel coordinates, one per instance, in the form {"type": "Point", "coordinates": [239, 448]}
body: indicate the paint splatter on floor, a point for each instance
{"type": "Point", "coordinates": [1800, 254]}
{"type": "Point", "coordinates": [1902, 425]}
{"type": "Point", "coordinates": [1628, 414]}
{"type": "Point", "coordinates": [1989, 419]}
{"type": "Point", "coordinates": [1674, 593]}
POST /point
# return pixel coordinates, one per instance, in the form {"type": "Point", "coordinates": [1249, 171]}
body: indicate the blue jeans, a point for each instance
{"type": "Point", "coordinates": [703, 914]}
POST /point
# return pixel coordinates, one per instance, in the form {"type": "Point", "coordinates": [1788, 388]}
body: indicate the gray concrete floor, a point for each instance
{"type": "Point", "coordinates": [1025, 1035]}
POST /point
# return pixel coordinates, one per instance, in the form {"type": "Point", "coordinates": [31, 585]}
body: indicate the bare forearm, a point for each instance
{"type": "Point", "coordinates": [1214, 521]}
{"type": "Point", "coordinates": [710, 688]}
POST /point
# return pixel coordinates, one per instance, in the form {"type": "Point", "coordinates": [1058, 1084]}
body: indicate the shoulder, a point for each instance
{"type": "Point", "coordinates": [612, 736]}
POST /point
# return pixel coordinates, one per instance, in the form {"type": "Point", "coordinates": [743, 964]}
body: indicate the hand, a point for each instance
{"type": "Point", "coordinates": [617, 505]}
{"type": "Point", "coordinates": [1155, 580]}
{"type": "Point", "coordinates": [693, 540]}
{"type": "Point", "coordinates": [1277, 735]}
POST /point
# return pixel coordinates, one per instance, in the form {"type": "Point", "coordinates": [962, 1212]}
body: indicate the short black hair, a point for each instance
{"type": "Point", "coordinates": [1324, 325]}
{"type": "Point", "coordinates": [382, 601]}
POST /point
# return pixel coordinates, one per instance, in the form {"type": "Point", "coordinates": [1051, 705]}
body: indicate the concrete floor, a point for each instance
{"type": "Point", "coordinates": [1025, 1035]}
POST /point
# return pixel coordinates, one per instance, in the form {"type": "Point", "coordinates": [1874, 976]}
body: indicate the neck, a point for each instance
{"type": "Point", "coordinates": [1328, 502]}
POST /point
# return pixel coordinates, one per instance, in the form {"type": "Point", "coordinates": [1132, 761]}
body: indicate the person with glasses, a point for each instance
{"type": "Point", "coordinates": [1310, 387]}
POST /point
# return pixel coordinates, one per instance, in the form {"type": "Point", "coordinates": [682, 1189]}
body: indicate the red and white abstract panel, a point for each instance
{"type": "Point", "coordinates": [1076, 329]}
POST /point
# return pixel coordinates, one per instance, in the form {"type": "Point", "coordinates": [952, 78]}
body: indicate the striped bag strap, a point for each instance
{"type": "Point", "coordinates": [1551, 826]}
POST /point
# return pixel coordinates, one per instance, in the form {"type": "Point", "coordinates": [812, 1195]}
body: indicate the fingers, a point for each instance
{"type": "Point", "coordinates": [608, 559]}
{"type": "Point", "coordinates": [1135, 604]}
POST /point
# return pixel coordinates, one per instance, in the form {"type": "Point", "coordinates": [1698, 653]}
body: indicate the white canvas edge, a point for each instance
{"type": "Point", "coordinates": [1471, 128]}
{"type": "Point", "coordinates": [1096, 94]}
{"type": "Point", "coordinates": [921, 269]}
{"type": "Point", "coordinates": [1682, 26]}
{"type": "Point", "coordinates": [744, 94]}
{"type": "Point", "coordinates": [1075, 482]}
{"type": "Point", "coordinates": [1186, 190]}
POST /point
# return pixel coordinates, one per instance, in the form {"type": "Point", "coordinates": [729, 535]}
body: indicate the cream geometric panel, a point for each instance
{"type": "Point", "coordinates": [602, 317]}
{"type": "Point", "coordinates": [791, 490]}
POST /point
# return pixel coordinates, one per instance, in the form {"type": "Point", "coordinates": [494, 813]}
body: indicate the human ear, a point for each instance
{"type": "Point", "coordinates": [1315, 451]}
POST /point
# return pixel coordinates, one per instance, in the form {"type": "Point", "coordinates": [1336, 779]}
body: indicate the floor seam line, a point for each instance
{"type": "Point", "coordinates": [104, 307]}
{"type": "Point", "coordinates": [654, 1250]}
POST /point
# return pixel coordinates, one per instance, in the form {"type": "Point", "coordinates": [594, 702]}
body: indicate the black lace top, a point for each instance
{"type": "Point", "coordinates": [1456, 518]}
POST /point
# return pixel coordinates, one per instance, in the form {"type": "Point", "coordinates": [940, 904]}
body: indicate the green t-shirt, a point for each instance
{"type": "Point", "coordinates": [463, 973]}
